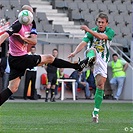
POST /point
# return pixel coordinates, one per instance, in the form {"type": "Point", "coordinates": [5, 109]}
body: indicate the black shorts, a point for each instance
{"type": "Point", "coordinates": [52, 78]}
{"type": "Point", "coordinates": [18, 64]}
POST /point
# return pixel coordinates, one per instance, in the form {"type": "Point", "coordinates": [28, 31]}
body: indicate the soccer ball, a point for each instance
{"type": "Point", "coordinates": [25, 17]}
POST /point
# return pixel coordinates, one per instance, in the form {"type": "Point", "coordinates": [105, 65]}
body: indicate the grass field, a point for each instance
{"type": "Point", "coordinates": [64, 117]}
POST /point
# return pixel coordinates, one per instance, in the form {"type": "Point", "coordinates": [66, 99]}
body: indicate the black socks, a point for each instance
{"type": "Point", "coordinates": [59, 63]}
{"type": "Point", "coordinates": [47, 92]}
{"type": "Point", "coordinates": [4, 95]}
{"type": "Point", "coordinates": [52, 92]}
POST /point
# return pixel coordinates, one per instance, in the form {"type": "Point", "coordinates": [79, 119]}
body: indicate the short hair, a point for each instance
{"type": "Point", "coordinates": [55, 49]}
{"type": "Point", "coordinates": [115, 55]}
{"type": "Point", "coordinates": [102, 15]}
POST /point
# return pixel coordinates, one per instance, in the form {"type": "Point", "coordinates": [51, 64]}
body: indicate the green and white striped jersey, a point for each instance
{"type": "Point", "coordinates": [102, 46]}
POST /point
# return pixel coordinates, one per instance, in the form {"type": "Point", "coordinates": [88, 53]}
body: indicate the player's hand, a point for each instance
{"type": "Point", "coordinates": [84, 27]}
{"type": "Point", "coordinates": [71, 55]}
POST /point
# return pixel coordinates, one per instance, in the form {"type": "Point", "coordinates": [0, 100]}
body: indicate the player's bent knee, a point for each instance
{"type": "Point", "coordinates": [47, 58]}
{"type": "Point", "coordinates": [100, 86]}
{"type": "Point", "coordinates": [13, 89]}
{"type": "Point", "coordinates": [50, 57]}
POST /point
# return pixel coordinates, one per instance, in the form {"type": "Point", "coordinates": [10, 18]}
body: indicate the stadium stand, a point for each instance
{"type": "Point", "coordinates": [83, 12]}
{"type": "Point", "coordinates": [79, 11]}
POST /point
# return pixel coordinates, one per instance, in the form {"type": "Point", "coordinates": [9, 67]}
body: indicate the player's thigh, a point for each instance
{"type": "Point", "coordinates": [100, 81]}
{"type": "Point", "coordinates": [47, 58]}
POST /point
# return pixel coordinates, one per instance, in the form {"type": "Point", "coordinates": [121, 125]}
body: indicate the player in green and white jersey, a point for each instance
{"type": "Point", "coordinates": [98, 41]}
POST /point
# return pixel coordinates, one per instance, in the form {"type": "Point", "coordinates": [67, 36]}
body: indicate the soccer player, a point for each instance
{"type": "Point", "coordinates": [19, 60]}
{"type": "Point", "coordinates": [98, 40]}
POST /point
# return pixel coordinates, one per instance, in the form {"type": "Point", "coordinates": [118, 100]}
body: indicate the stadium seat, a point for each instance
{"type": "Point", "coordinates": [8, 14]}
{"type": "Point", "coordinates": [1, 14]}
{"type": "Point", "coordinates": [127, 19]}
{"type": "Point", "coordinates": [43, 17]}
{"type": "Point", "coordinates": [59, 29]}
{"type": "Point", "coordinates": [107, 2]}
{"type": "Point", "coordinates": [85, 12]}
{"type": "Point", "coordinates": [76, 15]}
{"type": "Point", "coordinates": [111, 19]}
{"type": "Point", "coordinates": [92, 7]}
{"type": "Point", "coordinates": [60, 4]}
{"type": "Point", "coordinates": [125, 31]}
{"type": "Point", "coordinates": [66, 3]}
{"type": "Point", "coordinates": [121, 8]}
{"type": "Point", "coordinates": [117, 31]}
{"type": "Point", "coordinates": [49, 29]}
{"type": "Point", "coordinates": [118, 19]}
{"type": "Point", "coordinates": [39, 27]}
{"type": "Point", "coordinates": [4, 3]}
{"type": "Point", "coordinates": [14, 4]}
{"type": "Point", "coordinates": [97, 2]}
{"type": "Point", "coordinates": [102, 7]}
{"type": "Point", "coordinates": [87, 1]}
{"type": "Point", "coordinates": [24, 2]}
{"type": "Point", "coordinates": [88, 18]}
{"type": "Point", "coordinates": [116, 2]}
{"type": "Point", "coordinates": [111, 8]}
{"type": "Point", "coordinates": [82, 6]}
{"type": "Point", "coordinates": [129, 8]}
{"type": "Point", "coordinates": [72, 6]}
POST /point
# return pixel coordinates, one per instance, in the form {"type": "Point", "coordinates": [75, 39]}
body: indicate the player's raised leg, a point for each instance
{"type": "Point", "coordinates": [60, 63]}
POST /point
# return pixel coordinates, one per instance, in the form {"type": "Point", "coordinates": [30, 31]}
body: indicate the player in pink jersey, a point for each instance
{"type": "Point", "coordinates": [20, 37]}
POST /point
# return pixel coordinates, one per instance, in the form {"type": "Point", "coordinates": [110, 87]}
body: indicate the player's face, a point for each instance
{"type": "Point", "coordinates": [55, 53]}
{"type": "Point", "coordinates": [102, 23]}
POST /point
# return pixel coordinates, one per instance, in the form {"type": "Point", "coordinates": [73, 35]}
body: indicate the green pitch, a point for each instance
{"type": "Point", "coordinates": [64, 117]}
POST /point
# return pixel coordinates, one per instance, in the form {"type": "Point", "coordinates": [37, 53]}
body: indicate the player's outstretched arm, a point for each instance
{"type": "Point", "coordinates": [3, 37]}
{"type": "Point", "coordinates": [78, 49]}
{"type": "Point", "coordinates": [32, 39]}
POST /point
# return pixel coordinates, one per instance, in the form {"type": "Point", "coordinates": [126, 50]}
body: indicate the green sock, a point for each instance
{"type": "Point", "coordinates": [98, 100]}
{"type": "Point", "coordinates": [90, 54]}
{"type": "Point", "coordinates": [52, 92]}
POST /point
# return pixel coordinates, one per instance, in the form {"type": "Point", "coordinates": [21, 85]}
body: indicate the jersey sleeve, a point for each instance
{"type": "Point", "coordinates": [110, 33]}
{"type": "Point", "coordinates": [14, 28]}
{"type": "Point", "coordinates": [87, 37]}
{"type": "Point", "coordinates": [33, 30]}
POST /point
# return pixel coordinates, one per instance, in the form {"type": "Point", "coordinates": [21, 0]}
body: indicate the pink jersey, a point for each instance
{"type": "Point", "coordinates": [17, 47]}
